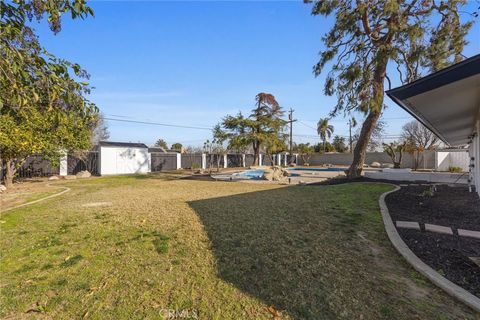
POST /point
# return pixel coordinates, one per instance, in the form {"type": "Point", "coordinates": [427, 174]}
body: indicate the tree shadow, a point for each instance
{"type": "Point", "coordinates": [288, 246]}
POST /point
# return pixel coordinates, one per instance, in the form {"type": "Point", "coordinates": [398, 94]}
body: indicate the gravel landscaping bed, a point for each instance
{"type": "Point", "coordinates": [452, 207]}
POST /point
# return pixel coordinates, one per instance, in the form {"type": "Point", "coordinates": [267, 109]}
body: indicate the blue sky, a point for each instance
{"type": "Point", "coordinates": [191, 63]}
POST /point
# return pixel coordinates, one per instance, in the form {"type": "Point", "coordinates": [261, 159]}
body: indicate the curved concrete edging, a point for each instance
{"type": "Point", "coordinates": [66, 189]}
{"type": "Point", "coordinates": [448, 286]}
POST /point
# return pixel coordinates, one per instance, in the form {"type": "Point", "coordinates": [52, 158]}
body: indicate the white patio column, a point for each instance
{"type": "Point", "coordinates": [286, 160]}
{"type": "Point", "coordinates": [179, 161]}
{"type": "Point", "coordinates": [64, 165]}
{"type": "Point", "coordinates": [204, 161]}
{"type": "Point", "coordinates": [244, 162]}
{"type": "Point", "coordinates": [260, 159]}
{"type": "Point", "coordinates": [225, 161]}
{"type": "Point", "coordinates": [296, 158]}
{"type": "Point", "coordinates": [279, 159]}
{"type": "Point", "coordinates": [149, 156]}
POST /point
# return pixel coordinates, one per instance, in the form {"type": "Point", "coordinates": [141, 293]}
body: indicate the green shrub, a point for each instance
{"type": "Point", "coordinates": [454, 169]}
{"type": "Point", "coordinates": [195, 166]}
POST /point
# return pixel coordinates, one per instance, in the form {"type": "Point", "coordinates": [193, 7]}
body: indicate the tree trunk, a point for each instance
{"type": "Point", "coordinates": [376, 106]}
{"type": "Point", "coordinates": [360, 150]}
{"type": "Point", "coordinates": [256, 153]}
{"type": "Point", "coordinates": [10, 173]}
{"type": "Point", "coordinates": [400, 157]}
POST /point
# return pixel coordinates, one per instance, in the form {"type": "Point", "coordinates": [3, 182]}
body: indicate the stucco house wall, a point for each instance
{"type": "Point", "coordinates": [475, 155]}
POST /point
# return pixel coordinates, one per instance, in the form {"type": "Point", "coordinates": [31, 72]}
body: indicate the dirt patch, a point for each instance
{"type": "Point", "coordinates": [448, 206]}
{"type": "Point", "coordinates": [97, 204]}
{"type": "Point", "coordinates": [23, 192]}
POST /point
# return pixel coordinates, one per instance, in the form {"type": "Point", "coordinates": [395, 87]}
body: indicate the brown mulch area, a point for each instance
{"type": "Point", "coordinates": [454, 207]}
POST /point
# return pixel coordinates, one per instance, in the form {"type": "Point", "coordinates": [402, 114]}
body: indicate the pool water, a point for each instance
{"type": "Point", "coordinates": [250, 174]}
{"type": "Point", "coordinates": [255, 174]}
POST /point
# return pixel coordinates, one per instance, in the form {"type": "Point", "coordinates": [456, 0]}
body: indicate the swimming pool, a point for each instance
{"type": "Point", "coordinates": [333, 169]}
{"type": "Point", "coordinates": [249, 174]}
{"type": "Point", "coordinates": [255, 174]}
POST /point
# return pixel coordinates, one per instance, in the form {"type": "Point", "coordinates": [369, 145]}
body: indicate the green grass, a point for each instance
{"type": "Point", "coordinates": [218, 250]}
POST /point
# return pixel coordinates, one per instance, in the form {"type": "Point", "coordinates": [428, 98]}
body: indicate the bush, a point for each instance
{"type": "Point", "coordinates": [195, 166]}
{"type": "Point", "coordinates": [454, 169]}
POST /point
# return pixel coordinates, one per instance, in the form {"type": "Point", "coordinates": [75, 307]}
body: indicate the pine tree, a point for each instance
{"type": "Point", "coordinates": [368, 36]}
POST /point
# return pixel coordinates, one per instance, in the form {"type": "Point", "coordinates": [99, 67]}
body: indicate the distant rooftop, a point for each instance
{"type": "Point", "coordinates": [122, 144]}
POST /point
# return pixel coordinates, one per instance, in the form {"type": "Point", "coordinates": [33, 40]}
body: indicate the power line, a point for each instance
{"type": "Point", "coordinates": [306, 125]}
{"type": "Point", "coordinates": [160, 124]}
{"type": "Point", "coordinates": [387, 136]}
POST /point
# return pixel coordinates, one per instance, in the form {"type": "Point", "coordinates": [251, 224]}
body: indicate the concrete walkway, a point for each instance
{"type": "Point", "coordinates": [438, 229]}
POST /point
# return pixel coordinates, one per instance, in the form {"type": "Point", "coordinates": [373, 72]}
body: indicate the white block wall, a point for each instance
{"type": "Point", "coordinates": [456, 158]}
{"type": "Point", "coordinates": [124, 160]}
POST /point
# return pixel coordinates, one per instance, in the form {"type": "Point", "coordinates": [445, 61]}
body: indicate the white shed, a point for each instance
{"type": "Point", "coordinates": [123, 158]}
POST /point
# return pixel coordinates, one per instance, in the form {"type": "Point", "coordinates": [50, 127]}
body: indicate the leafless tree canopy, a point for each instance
{"type": "Point", "coordinates": [100, 131]}
{"type": "Point", "coordinates": [418, 136]}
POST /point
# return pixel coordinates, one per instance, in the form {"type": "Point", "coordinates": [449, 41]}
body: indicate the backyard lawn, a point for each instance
{"type": "Point", "coordinates": [136, 247]}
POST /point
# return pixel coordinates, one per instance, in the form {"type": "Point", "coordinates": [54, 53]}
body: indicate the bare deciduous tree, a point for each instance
{"type": "Point", "coordinates": [416, 134]}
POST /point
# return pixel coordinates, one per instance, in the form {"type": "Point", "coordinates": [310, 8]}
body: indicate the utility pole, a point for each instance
{"type": "Point", "coordinates": [350, 129]}
{"type": "Point", "coordinates": [291, 121]}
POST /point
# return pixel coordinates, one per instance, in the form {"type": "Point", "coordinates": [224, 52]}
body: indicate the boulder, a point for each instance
{"type": "Point", "coordinates": [268, 175]}
{"type": "Point", "coordinates": [83, 174]}
{"type": "Point", "coordinates": [275, 173]}
{"type": "Point", "coordinates": [387, 165]}
{"type": "Point", "coordinates": [52, 178]}
{"type": "Point", "coordinates": [70, 177]}
{"type": "Point", "coordinates": [375, 164]}
{"type": "Point", "coordinates": [2, 188]}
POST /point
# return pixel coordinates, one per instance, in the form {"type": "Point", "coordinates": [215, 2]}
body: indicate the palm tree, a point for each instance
{"type": "Point", "coordinates": [324, 130]}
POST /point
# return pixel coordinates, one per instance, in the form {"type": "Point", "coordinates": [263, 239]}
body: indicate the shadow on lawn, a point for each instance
{"type": "Point", "coordinates": [281, 246]}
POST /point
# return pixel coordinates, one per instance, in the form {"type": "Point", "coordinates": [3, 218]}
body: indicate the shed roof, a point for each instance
{"type": "Point", "coordinates": [156, 149]}
{"type": "Point", "coordinates": [122, 144]}
{"type": "Point", "coordinates": [447, 102]}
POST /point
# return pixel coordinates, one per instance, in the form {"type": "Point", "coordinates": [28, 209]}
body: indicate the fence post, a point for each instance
{"type": "Point", "coordinates": [179, 161]}
{"type": "Point", "coordinates": [64, 165]}
{"type": "Point", "coordinates": [244, 162]}
{"type": "Point", "coordinates": [149, 156]}
{"type": "Point", "coordinates": [260, 159]}
{"type": "Point", "coordinates": [204, 161]}
{"type": "Point", "coordinates": [225, 161]}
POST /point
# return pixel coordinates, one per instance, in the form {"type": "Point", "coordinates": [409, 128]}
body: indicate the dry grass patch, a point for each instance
{"type": "Point", "coordinates": [25, 192]}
